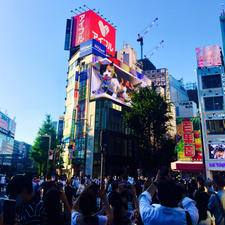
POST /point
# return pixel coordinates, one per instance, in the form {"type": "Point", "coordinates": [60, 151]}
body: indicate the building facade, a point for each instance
{"type": "Point", "coordinates": [21, 160]}
{"type": "Point", "coordinates": [7, 133]}
{"type": "Point", "coordinates": [211, 101]}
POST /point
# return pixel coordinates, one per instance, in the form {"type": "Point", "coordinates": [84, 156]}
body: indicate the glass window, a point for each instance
{"type": "Point", "coordinates": [211, 81]}
{"type": "Point", "coordinates": [70, 94]}
{"type": "Point", "coordinates": [215, 126]}
{"type": "Point", "coordinates": [213, 103]}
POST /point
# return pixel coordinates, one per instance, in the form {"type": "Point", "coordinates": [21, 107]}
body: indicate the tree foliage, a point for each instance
{"type": "Point", "coordinates": [149, 119]}
{"type": "Point", "coordinates": [39, 152]}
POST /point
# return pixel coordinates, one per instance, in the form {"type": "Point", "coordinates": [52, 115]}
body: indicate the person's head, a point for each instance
{"type": "Point", "coordinates": [21, 186]}
{"type": "Point", "coordinates": [49, 177]}
{"type": "Point", "coordinates": [169, 193]}
{"type": "Point", "coordinates": [87, 203]}
{"type": "Point", "coordinates": [219, 182]}
{"type": "Point", "coordinates": [200, 182]}
{"type": "Point", "coordinates": [114, 185]}
{"type": "Point", "coordinates": [82, 181]}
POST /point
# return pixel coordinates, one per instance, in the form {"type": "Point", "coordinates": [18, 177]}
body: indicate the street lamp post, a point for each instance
{"type": "Point", "coordinates": [49, 146]}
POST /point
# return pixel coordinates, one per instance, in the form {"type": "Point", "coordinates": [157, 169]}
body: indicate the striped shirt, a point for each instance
{"type": "Point", "coordinates": [32, 213]}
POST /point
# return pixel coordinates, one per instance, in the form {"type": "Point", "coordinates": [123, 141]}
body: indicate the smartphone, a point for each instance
{"type": "Point", "coordinates": [9, 211]}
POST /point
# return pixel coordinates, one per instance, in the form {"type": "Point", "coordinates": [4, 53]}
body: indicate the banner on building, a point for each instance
{"type": "Point", "coordinates": [89, 25]}
{"type": "Point", "coordinates": [110, 81]}
{"type": "Point", "coordinates": [92, 47]}
{"type": "Point", "coordinates": [189, 146]}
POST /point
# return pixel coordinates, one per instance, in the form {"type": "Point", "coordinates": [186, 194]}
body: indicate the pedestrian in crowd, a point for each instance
{"type": "Point", "coordinates": [81, 186]}
{"type": "Point", "coordinates": [46, 185]}
{"type": "Point", "coordinates": [217, 200]}
{"type": "Point", "coordinates": [205, 217]}
{"type": "Point", "coordinates": [167, 212]}
{"type": "Point", "coordinates": [30, 210]}
{"type": "Point", "coordinates": [85, 208]}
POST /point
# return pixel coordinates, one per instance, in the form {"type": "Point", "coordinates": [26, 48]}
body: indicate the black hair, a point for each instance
{"type": "Point", "coordinates": [169, 193]}
{"type": "Point", "coordinates": [87, 203]}
{"type": "Point", "coordinates": [202, 200]}
{"type": "Point", "coordinates": [18, 184]}
{"type": "Point", "coordinates": [219, 180]}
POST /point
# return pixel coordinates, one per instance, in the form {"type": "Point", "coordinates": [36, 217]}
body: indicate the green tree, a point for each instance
{"type": "Point", "coordinates": [39, 152]}
{"type": "Point", "coordinates": [149, 121]}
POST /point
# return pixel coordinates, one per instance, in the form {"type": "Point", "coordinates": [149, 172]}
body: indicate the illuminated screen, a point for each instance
{"type": "Point", "coordinates": [111, 81]}
{"type": "Point", "coordinates": [217, 151]}
{"type": "Point", "coordinates": [208, 56]}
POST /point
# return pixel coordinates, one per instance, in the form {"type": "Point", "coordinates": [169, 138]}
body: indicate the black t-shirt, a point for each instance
{"type": "Point", "coordinates": [70, 193]}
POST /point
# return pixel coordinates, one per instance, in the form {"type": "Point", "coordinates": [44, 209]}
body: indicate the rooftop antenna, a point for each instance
{"type": "Point", "coordinates": [73, 12]}
{"type": "Point", "coordinates": [85, 6]}
{"type": "Point", "coordinates": [78, 10]}
{"type": "Point", "coordinates": [82, 9]}
{"type": "Point", "coordinates": [141, 36]}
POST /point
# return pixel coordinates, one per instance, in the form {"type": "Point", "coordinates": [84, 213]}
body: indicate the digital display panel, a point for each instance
{"type": "Point", "coordinates": [111, 81]}
{"type": "Point", "coordinates": [217, 151]}
{"type": "Point", "coordinates": [208, 56]}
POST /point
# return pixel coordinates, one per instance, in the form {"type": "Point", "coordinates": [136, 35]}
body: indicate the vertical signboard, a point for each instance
{"type": "Point", "coordinates": [81, 123]}
{"type": "Point", "coordinates": [189, 146]}
{"type": "Point", "coordinates": [208, 56]}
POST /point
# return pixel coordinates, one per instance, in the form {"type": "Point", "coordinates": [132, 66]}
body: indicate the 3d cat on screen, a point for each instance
{"type": "Point", "coordinates": [112, 82]}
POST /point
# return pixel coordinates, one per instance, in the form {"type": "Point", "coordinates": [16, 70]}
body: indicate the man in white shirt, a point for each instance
{"type": "Point", "coordinates": [168, 212]}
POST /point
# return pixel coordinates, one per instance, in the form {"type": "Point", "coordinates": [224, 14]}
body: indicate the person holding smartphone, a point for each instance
{"type": "Point", "coordinates": [85, 208]}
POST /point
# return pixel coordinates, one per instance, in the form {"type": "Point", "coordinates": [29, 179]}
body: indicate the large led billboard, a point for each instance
{"type": "Point", "coordinates": [208, 56]}
{"type": "Point", "coordinates": [217, 151]}
{"type": "Point", "coordinates": [89, 25]}
{"type": "Point", "coordinates": [110, 81]}
{"type": "Point", "coordinates": [189, 145]}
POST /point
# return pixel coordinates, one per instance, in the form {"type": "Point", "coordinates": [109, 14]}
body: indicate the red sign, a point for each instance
{"type": "Point", "coordinates": [188, 137]}
{"type": "Point", "coordinates": [90, 25]}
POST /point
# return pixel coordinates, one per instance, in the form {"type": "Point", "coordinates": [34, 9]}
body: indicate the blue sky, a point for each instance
{"type": "Point", "coordinates": [34, 65]}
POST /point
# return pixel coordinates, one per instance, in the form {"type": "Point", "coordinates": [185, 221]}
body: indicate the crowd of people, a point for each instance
{"type": "Point", "coordinates": [164, 199]}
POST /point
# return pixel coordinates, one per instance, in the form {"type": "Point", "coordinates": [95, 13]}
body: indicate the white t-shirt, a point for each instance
{"type": "Point", "coordinates": [102, 220]}
{"type": "Point", "coordinates": [208, 220]}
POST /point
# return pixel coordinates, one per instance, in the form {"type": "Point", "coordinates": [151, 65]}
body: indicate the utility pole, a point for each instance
{"type": "Point", "coordinates": [102, 159]}
{"type": "Point", "coordinates": [49, 146]}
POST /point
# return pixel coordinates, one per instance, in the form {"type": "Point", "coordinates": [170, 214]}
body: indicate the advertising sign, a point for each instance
{"type": "Point", "coordinates": [89, 25]}
{"type": "Point", "coordinates": [92, 46]}
{"type": "Point", "coordinates": [189, 146]}
{"type": "Point", "coordinates": [111, 81]}
{"type": "Point", "coordinates": [208, 56]}
{"type": "Point", "coordinates": [158, 77]}
{"type": "Point", "coordinates": [217, 151]}
{"type": "Point", "coordinates": [67, 36]}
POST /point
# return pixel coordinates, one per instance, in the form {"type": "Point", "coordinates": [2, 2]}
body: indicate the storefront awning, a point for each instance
{"type": "Point", "coordinates": [187, 166]}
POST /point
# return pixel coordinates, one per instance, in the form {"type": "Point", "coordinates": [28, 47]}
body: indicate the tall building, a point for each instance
{"type": "Point", "coordinates": [222, 25]}
{"type": "Point", "coordinates": [21, 157]}
{"type": "Point", "coordinates": [60, 129]}
{"type": "Point", "coordinates": [98, 91]}
{"type": "Point", "coordinates": [211, 90]}
{"type": "Point", "coordinates": [7, 133]}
